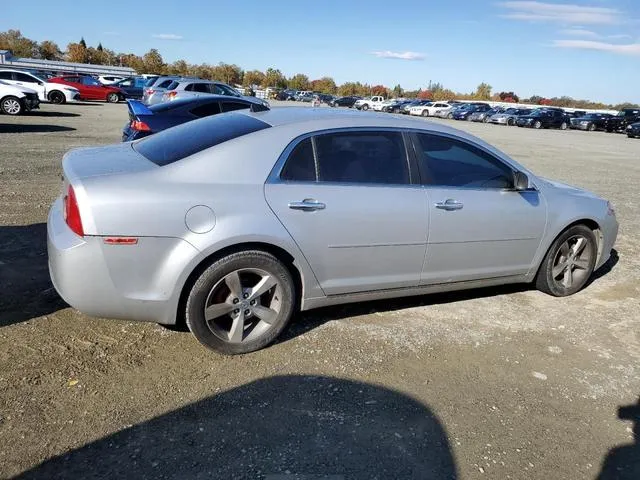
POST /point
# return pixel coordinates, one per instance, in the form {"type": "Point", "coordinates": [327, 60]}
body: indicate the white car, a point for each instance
{"type": "Point", "coordinates": [15, 100]}
{"type": "Point", "coordinates": [110, 79]}
{"type": "Point", "coordinates": [369, 102]}
{"type": "Point", "coordinates": [47, 92]}
{"type": "Point", "coordinates": [379, 106]}
{"type": "Point", "coordinates": [430, 109]}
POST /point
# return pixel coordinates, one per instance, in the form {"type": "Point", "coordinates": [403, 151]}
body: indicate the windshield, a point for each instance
{"type": "Point", "coordinates": [509, 111]}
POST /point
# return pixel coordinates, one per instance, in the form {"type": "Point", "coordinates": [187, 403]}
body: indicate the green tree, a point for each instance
{"type": "Point", "coordinates": [253, 77]}
{"type": "Point", "coordinates": [49, 50]}
{"type": "Point", "coordinates": [274, 78]}
{"type": "Point", "coordinates": [299, 82]}
{"type": "Point", "coordinates": [83, 43]}
{"type": "Point", "coordinates": [483, 92]}
{"type": "Point", "coordinates": [153, 63]}
{"type": "Point", "coordinates": [397, 91]}
{"type": "Point", "coordinates": [19, 45]}
{"type": "Point", "coordinates": [99, 47]}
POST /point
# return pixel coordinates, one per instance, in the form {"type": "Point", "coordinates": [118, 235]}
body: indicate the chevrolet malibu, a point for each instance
{"type": "Point", "coordinates": [234, 222]}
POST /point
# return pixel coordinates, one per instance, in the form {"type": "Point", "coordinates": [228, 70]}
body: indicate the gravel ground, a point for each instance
{"type": "Point", "coordinates": [495, 383]}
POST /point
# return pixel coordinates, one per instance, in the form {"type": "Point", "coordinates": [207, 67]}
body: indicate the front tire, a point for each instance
{"type": "Point", "coordinates": [57, 97]}
{"type": "Point", "coordinates": [592, 127]}
{"type": "Point", "coordinates": [569, 262]}
{"type": "Point", "coordinates": [12, 106]}
{"type": "Point", "coordinates": [241, 303]}
{"type": "Point", "coordinates": [537, 125]}
{"type": "Point", "coordinates": [425, 113]}
{"type": "Point", "coordinates": [365, 107]}
{"type": "Point", "coordinates": [113, 98]}
{"type": "Point", "coordinates": [563, 126]}
{"type": "Point", "coordinates": [511, 122]}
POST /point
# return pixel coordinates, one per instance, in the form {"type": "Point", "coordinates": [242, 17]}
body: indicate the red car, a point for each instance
{"type": "Point", "coordinates": [90, 88]}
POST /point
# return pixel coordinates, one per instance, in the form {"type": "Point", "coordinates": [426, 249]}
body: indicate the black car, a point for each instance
{"type": "Point", "coordinates": [591, 121]}
{"type": "Point", "coordinates": [623, 119]}
{"type": "Point", "coordinates": [463, 113]}
{"type": "Point", "coordinates": [287, 94]}
{"type": "Point", "coordinates": [133, 87]}
{"type": "Point", "coordinates": [633, 130]}
{"type": "Point", "coordinates": [545, 118]}
{"type": "Point", "coordinates": [145, 121]}
{"type": "Point", "coordinates": [325, 98]}
{"type": "Point", "coordinates": [395, 106]}
{"type": "Point", "coordinates": [344, 101]}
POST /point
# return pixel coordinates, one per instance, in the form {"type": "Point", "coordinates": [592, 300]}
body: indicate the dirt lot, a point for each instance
{"type": "Point", "coordinates": [499, 383]}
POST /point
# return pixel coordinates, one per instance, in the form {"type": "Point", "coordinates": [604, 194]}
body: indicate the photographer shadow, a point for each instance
{"type": "Point", "coordinates": [293, 427]}
{"type": "Point", "coordinates": [623, 462]}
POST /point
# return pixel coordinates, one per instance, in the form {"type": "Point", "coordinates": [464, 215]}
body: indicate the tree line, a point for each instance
{"type": "Point", "coordinates": [152, 62]}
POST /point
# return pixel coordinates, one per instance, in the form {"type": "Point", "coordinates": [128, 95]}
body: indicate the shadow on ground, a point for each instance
{"type": "Point", "coordinates": [623, 462]}
{"type": "Point", "coordinates": [287, 427]}
{"type": "Point", "coordinates": [28, 128]}
{"type": "Point", "coordinates": [27, 291]}
{"type": "Point", "coordinates": [42, 113]}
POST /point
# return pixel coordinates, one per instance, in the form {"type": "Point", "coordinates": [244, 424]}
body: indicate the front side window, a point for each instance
{"type": "Point", "coordinates": [212, 108]}
{"type": "Point", "coordinates": [362, 157]}
{"type": "Point", "coordinates": [90, 81]}
{"type": "Point", "coordinates": [201, 87]}
{"type": "Point", "coordinates": [5, 76]}
{"type": "Point", "coordinates": [455, 163]}
{"type": "Point", "coordinates": [231, 106]}
{"type": "Point", "coordinates": [23, 77]}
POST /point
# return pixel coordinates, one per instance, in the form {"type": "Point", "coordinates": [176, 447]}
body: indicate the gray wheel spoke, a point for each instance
{"type": "Point", "coordinates": [217, 310]}
{"type": "Point", "coordinates": [579, 246]}
{"type": "Point", "coordinates": [233, 282]}
{"type": "Point", "coordinates": [581, 263]}
{"type": "Point", "coordinates": [565, 250]}
{"type": "Point", "coordinates": [568, 278]}
{"type": "Point", "coordinates": [265, 314]}
{"type": "Point", "coordinates": [558, 269]}
{"type": "Point", "coordinates": [265, 284]}
{"type": "Point", "coordinates": [237, 328]}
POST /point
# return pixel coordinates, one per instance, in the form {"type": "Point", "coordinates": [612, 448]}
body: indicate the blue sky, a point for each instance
{"type": "Point", "coordinates": [581, 48]}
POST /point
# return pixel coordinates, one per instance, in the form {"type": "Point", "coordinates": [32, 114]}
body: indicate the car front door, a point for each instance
{"type": "Point", "coordinates": [349, 201]}
{"type": "Point", "coordinates": [480, 226]}
{"type": "Point", "coordinates": [95, 91]}
{"type": "Point", "coordinates": [76, 83]}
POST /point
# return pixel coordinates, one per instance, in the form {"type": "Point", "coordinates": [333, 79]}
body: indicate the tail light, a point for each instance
{"type": "Point", "coordinates": [72, 213]}
{"type": "Point", "coordinates": [140, 126]}
{"type": "Point", "coordinates": [172, 94]}
{"type": "Point", "coordinates": [150, 91]}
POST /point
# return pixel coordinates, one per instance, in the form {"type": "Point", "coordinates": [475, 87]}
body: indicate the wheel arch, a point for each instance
{"type": "Point", "coordinates": [588, 222]}
{"type": "Point", "coordinates": [287, 259]}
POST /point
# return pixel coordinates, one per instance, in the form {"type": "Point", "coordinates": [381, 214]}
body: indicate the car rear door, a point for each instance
{"type": "Point", "coordinates": [349, 201]}
{"type": "Point", "coordinates": [480, 227]}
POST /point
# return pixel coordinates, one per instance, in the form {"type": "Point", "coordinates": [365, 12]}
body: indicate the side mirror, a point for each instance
{"type": "Point", "coordinates": [520, 181]}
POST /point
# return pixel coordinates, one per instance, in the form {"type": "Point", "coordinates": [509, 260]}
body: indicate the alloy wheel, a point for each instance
{"type": "Point", "coordinates": [572, 262]}
{"type": "Point", "coordinates": [243, 305]}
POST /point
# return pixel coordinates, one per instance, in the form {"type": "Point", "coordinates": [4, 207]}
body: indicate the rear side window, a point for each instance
{"type": "Point", "coordinates": [179, 142]}
{"type": "Point", "coordinates": [167, 83]}
{"type": "Point", "coordinates": [206, 110]}
{"type": "Point", "coordinates": [150, 82]}
{"type": "Point", "coordinates": [231, 106]}
{"type": "Point", "coordinates": [5, 76]}
{"type": "Point", "coordinates": [362, 157]}
{"type": "Point", "coordinates": [300, 166]}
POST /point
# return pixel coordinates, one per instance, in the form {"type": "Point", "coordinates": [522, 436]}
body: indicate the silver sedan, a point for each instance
{"type": "Point", "coordinates": [235, 222]}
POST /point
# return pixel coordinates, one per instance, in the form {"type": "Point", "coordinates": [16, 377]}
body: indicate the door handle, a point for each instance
{"type": "Point", "coordinates": [449, 204]}
{"type": "Point", "coordinates": [307, 205]}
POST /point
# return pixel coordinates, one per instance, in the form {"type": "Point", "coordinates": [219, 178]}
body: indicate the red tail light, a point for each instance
{"type": "Point", "coordinates": [172, 94]}
{"type": "Point", "coordinates": [150, 91]}
{"type": "Point", "coordinates": [140, 126]}
{"type": "Point", "coordinates": [72, 213]}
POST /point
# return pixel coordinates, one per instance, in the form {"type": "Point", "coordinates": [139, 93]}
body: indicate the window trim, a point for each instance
{"type": "Point", "coordinates": [412, 167]}
{"type": "Point", "coordinates": [423, 174]}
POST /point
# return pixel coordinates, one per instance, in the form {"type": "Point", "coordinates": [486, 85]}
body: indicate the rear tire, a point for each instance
{"type": "Point", "coordinates": [57, 97]}
{"type": "Point", "coordinates": [575, 251]}
{"type": "Point", "coordinates": [425, 113]}
{"type": "Point", "coordinates": [12, 106]}
{"type": "Point", "coordinates": [592, 127]}
{"type": "Point", "coordinates": [113, 98]}
{"type": "Point", "coordinates": [365, 107]}
{"type": "Point", "coordinates": [511, 122]}
{"type": "Point", "coordinates": [563, 126]}
{"type": "Point", "coordinates": [537, 125]}
{"type": "Point", "coordinates": [241, 321]}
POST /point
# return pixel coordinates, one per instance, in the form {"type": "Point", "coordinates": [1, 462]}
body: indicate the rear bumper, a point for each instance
{"type": "Point", "coordinates": [126, 282]}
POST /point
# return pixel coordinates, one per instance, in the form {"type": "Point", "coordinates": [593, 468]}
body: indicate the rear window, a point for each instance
{"type": "Point", "coordinates": [179, 142]}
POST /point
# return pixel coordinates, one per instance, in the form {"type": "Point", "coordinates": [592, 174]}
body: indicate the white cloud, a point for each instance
{"type": "Point", "coordinates": [167, 36]}
{"type": "Point", "coordinates": [628, 49]}
{"type": "Point", "coordinates": [562, 13]}
{"type": "Point", "coordinates": [399, 55]}
{"type": "Point", "coordinates": [619, 36]}
{"type": "Point", "coordinates": [579, 32]}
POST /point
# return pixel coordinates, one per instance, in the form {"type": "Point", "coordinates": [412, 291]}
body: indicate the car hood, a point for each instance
{"type": "Point", "coordinates": [570, 189]}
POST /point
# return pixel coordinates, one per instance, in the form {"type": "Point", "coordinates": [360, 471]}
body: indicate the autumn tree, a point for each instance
{"type": "Point", "coordinates": [380, 90]}
{"type": "Point", "coordinates": [299, 82]}
{"type": "Point", "coordinates": [76, 53]}
{"type": "Point", "coordinates": [228, 73]}
{"type": "Point", "coordinates": [179, 67]}
{"type": "Point", "coordinates": [132, 61]}
{"type": "Point", "coordinates": [425, 95]}
{"type": "Point", "coordinates": [324, 85]}
{"type": "Point", "coordinates": [49, 50]}
{"type": "Point", "coordinates": [509, 97]}
{"type": "Point", "coordinates": [483, 92]}
{"type": "Point", "coordinates": [152, 61]}
{"type": "Point", "coordinates": [20, 46]}
{"type": "Point", "coordinates": [274, 78]}
{"type": "Point", "coordinates": [253, 77]}
{"type": "Point", "coordinates": [349, 89]}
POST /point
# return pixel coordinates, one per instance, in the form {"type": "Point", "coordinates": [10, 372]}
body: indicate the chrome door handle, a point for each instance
{"type": "Point", "coordinates": [307, 205]}
{"type": "Point", "coordinates": [449, 204]}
